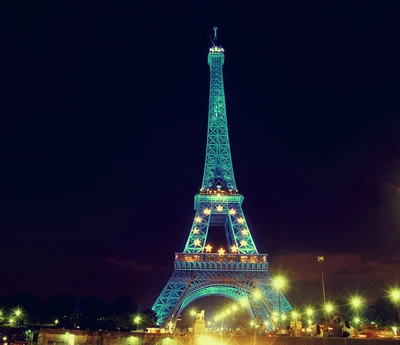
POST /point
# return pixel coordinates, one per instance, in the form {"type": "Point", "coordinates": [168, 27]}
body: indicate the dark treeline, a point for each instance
{"type": "Point", "coordinates": [65, 311]}
{"type": "Point", "coordinates": [122, 314]}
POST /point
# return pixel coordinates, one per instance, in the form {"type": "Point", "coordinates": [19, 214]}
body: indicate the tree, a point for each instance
{"type": "Point", "coordinates": [28, 303]}
{"type": "Point", "coordinates": [149, 319]}
{"type": "Point", "coordinates": [384, 312]}
{"type": "Point", "coordinates": [122, 305]}
{"type": "Point", "coordinates": [92, 312]}
{"type": "Point", "coordinates": [62, 308]}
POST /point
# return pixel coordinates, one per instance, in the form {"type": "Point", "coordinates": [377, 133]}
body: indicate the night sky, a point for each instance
{"type": "Point", "coordinates": [103, 133]}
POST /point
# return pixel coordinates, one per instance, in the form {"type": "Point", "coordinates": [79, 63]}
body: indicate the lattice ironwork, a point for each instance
{"type": "Point", "coordinates": [241, 273]}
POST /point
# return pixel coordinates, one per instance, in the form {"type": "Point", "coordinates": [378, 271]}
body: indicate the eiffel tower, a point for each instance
{"type": "Point", "coordinates": [239, 272]}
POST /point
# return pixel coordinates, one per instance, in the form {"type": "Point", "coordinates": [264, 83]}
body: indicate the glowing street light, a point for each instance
{"type": "Point", "coordinates": [17, 312]}
{"type": "Point", "coordinates": [279, 283]}
{"type": "Point", "coordinates": [295, 315]}
{"type": "Point", "coordinates": [356, 302]}
{"type": "Point", "coordinates": [395, 297]}
{"type": "Point", "coordinates": [329, 308]}
{"type": "Point", "coordinates": [309, 312]}
{"type": "Point", "coordinates": [356, 321]}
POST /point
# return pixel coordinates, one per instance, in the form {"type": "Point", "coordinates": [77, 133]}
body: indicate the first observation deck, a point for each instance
{"type": "Point", "coordinates": [221, 262]}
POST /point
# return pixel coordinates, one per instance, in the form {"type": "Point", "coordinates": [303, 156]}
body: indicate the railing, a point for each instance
{"type": "Point", "coordinates": [215, 261]}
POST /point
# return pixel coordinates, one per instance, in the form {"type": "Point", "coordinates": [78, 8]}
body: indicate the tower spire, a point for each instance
{"type": "Point", "coordinates": [218, 169]}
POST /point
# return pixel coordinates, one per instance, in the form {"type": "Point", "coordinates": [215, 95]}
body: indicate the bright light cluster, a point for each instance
{"type": "Point", "coordinates": [219, 192]}
{"type": "Point", "coordinates": [216, 50]}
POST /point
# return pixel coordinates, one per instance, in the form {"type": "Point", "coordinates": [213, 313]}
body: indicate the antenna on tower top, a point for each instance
{"type": "Point", "coordinates": [215, 28]}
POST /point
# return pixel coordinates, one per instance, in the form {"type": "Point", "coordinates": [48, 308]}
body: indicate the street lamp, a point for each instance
{"type": "Point", "coordinates": [321, 260]}
{"type": "Point", "coordinates": [136, 320]}
{"type": "Point", "coordinates": [395, 297]}
{"type": "Point", "coordinates": [329, 308]}
{"type": "Point", "coordinates": [17, 312]}
{"type": "Point", "coordinates": [279, 283]}
{"type": "Point", "coordinates": [309, 312]}
{"type": "Point", "coordinates": [356, 302]}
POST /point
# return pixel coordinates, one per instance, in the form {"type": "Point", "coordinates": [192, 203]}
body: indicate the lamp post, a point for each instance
{"type": "Point", "coordinates": [395, 297]}
{"type": "Point", "coordinates": [309, 313]}
{"type": "Point", "coordinates": [279, 283]}
{"type": "Point", "coordinates": [329, 308]}
{"type": "Point", "coordinates": [321, 260]}
{"type": "Point", "coordinates": [356, 302]}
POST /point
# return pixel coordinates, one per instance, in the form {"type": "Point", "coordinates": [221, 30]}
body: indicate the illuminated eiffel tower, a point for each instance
{"type": "Point", "coordinates": [239, 272]}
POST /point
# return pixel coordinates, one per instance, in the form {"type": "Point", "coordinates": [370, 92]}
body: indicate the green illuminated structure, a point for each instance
{"type": "Point", "coordinates": [238, 272]}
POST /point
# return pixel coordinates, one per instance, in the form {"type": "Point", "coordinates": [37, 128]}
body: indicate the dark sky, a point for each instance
{"type": "Point", "coordinates": [103, 132]}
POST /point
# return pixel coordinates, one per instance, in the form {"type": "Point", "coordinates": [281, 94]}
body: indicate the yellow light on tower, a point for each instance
{"type": "Point", "coordinates": [243, 243]}
{"type": "Point", "coordinates": [234, 249]}
{"type": "Point", "coordinates": [207, 211]}
{"type": "Point", "coordinates": [245, 232]}
{"type": "Point", "coordinates": [243, 302]}
{"type": "Point", "coordinates": [221, 251]}
{"type": "Point", "coordinates": [197, 242]}
{"type": "Point", "coordinates": [257, 294]}
{"type": "Point", "coordinates": [219, 208]}
{"type": "Point", "coordinates": [240, 220]}
{"type": "Point", "coordinates": [198, 219]}
{"type": "Point", "coordinates": [208, 248]}
{"type": "Point", "coordinates": [196, 231]}
{"type": "Point", "coordinates": [232, 211]}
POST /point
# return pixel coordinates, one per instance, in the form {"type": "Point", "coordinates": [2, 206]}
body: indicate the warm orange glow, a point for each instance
{"type": "Point", "coordinates": [221, 251]}
{"type": "Point", "coordinates": [208, 248]}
